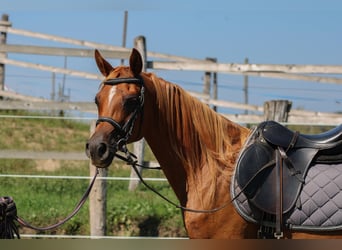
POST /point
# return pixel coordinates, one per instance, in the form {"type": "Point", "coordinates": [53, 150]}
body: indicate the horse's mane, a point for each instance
{"type": "Point", "coordinates": [204, 139]}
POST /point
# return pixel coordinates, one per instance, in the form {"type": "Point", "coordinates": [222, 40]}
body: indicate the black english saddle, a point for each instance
{"type": "Point", "coordinates": [272, 167]}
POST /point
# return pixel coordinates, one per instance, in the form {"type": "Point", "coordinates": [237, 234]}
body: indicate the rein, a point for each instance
{"type": "Point", "coordinates": [130, 159]}
{"type": "Point", "coordinates": [8, 214]}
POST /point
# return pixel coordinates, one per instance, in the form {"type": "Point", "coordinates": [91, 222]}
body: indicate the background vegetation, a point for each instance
{"type": "Point", "coordinates": [46, 201]}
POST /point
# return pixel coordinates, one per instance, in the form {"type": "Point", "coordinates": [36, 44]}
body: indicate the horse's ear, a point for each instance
{"type": "Point", "coordinates": [104, 66]}
{"type": "Point", "coordinates": [135, 62]}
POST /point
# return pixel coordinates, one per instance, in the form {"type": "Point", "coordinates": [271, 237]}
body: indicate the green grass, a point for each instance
{"type": "Point", "coordinates": [46, 201]}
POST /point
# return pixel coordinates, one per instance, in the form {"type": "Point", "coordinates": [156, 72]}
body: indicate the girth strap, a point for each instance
{"type": "Point", "coordinates": [279, 195]}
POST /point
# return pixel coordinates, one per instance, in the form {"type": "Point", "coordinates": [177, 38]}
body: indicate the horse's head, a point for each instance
{"type": "Point", "coordinates": [119, 102]}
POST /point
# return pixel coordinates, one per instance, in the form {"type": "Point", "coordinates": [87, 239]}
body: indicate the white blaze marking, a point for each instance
{"type": "Point", "coordinates": [111, 94]}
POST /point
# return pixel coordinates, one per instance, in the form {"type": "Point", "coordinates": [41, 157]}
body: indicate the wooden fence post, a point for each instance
{"type": "Point", "coordinates": [277, 110]}
{"type": "Point", "coordinates": [3, 37]}
{"type": "Point", "coordinates": [245, 86]}
{"type": "Point", "coordinates": [207, 83]}
{"type": "Point", "coordinates": [139, 147]}
{"type": "Point", "coordinates": [215, 89]}
{"type": "Point", "coordinates": [97, 199]}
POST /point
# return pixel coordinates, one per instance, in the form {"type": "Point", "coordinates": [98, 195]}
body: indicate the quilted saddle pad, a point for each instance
{"type": "Point", "coordinates": [319, 205]}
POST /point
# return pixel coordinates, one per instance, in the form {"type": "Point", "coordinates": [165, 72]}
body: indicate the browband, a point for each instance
{"type": "Point", "coordinates": [115, 81]}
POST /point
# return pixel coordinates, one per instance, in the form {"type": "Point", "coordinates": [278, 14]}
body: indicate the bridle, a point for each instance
{"type": "Point", "coordinates": [8, 212]}
{"type": "Point", "coordinates": [123, 132]}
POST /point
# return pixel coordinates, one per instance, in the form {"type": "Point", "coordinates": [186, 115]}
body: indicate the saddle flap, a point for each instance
{"type": "Point", "coordinates": [256, 175]}
{"type": "Point", "coordinates": [252, 166]}
{"type": "Point", "coordinates": [320, 202]}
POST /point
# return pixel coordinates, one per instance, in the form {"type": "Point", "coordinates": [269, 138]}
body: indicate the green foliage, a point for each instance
{"type": "Point", "coordinates": [310, 129]}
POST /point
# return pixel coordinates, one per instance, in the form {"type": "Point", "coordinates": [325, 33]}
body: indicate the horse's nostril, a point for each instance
{"type": "Point", "coordinates": [87, 149]}
{"type": "Point", "coordinates": [101, 149]}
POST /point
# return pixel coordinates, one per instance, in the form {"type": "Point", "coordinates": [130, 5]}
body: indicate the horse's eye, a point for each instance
{"type": "Point", "coordinates": [131, 104]}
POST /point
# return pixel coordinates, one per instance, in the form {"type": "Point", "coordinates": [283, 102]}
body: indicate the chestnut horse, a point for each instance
{"type": "Point", "coordinates": [195, 146]}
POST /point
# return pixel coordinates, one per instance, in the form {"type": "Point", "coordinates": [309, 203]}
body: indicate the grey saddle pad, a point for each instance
{"type": "Point", "coordinates": [319, 206]}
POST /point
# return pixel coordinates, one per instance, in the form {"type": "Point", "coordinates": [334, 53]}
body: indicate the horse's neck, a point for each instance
{"type": "Point", "coordinates": [157, 134]}
{"type": "Point", "coordinates": [172, 168]}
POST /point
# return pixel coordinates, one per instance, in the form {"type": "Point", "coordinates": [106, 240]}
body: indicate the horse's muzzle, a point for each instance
{"type": "Point", "coordinates": [100, 153]}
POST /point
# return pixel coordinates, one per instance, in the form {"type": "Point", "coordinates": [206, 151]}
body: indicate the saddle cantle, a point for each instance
{"type": "Point", "coordinates": [274, 163]}
{"type": "Point", "coordinates": [279, 135]}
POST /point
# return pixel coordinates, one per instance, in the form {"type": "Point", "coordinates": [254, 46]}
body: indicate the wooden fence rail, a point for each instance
{"type": "Point", "coordinates": [101, 46]}
{"type": "Point", "coordinates": [50, 68]}
{"type": "Point", "coordinates": [295, 116]}
{"type": "Point", "coordinates": [58, 51]}
{"type": "Point", "coordinates": [175, 62]}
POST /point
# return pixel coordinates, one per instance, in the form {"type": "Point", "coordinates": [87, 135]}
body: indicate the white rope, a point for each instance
{"type": "Point", "coordinates": [96, 237]}
{"type": "Point", "coordinates": [77, 177]}
{"type": "Point", "coordinates": [46, 117]}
